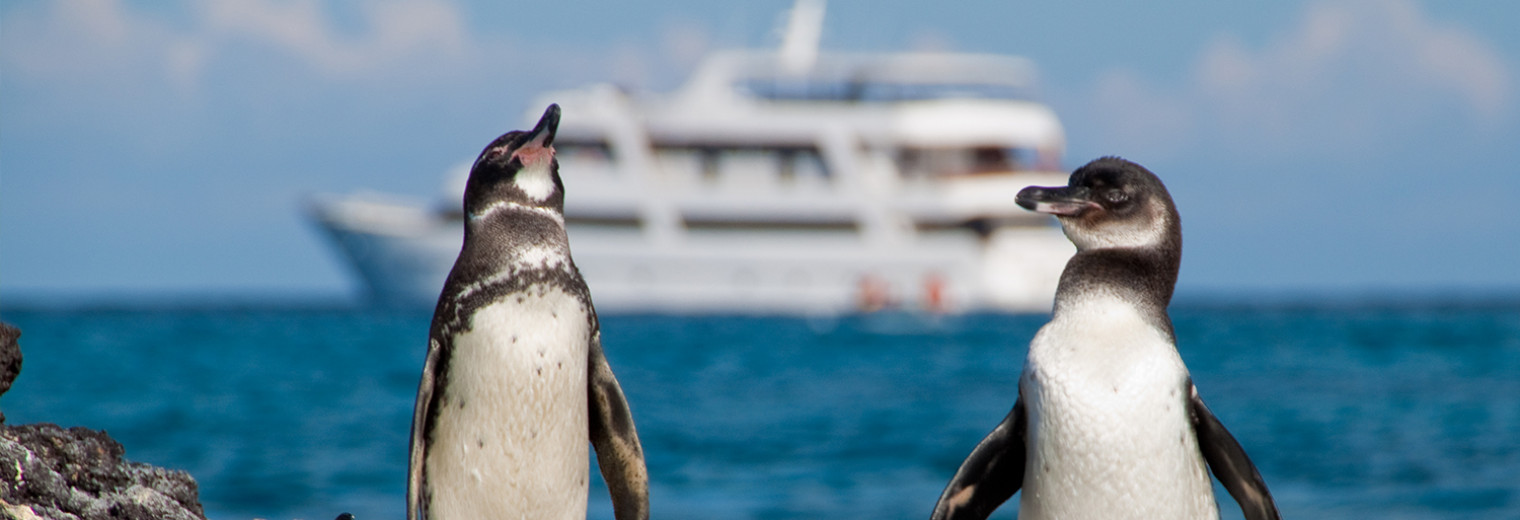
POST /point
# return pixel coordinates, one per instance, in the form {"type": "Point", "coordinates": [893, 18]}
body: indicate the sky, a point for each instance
{"type": "Point", "coordinates": [1326, 147]}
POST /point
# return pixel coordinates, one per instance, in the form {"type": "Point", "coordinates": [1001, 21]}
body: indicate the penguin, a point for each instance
{"type": "Point", "coordinates": [1107, 423]}
{"type": "Point", "coordinates": [515, 381]}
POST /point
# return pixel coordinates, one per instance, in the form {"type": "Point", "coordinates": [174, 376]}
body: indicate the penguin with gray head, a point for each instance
{"type": "Point", "coordinates": [515, 381]}
{"type": "Point", "coordinates": [1107, 423]}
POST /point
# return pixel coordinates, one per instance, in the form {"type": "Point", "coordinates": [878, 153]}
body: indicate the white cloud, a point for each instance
{"type": "Point", "coordinates": [118, 50]}
{"type": "Point", "coordinates": [394, 32]}
{"type": "Point", "coordinates": [1351, 73]}
{"type": "Point", "coordinates": [1145, 119]}
{"type": "Point", "coordinates": [685, 42]}
{"type": "Point", "coordinates": [1387, 41]}
{"type": "Point", "coordinates": [86, 40]}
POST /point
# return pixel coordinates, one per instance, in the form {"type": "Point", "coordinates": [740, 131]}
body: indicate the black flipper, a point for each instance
{"type": "Point", "coordinates": [420, 418]}
{"type": "Point", "coordinates": [618, 452]}
{"type": "Point", "coordinates": [990, 475]}
{"type": "Point", "coordinates": [1229, 463]}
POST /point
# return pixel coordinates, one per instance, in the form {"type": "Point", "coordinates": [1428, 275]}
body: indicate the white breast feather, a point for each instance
{"type": "Point", "coordinates": [540, 256]}
{"type": "Point", "coordinates": [512, 440]}
{"type": "Point", "coordinates": [1109, 432]}
{"type": "Point", "coordinates": [535, 181]}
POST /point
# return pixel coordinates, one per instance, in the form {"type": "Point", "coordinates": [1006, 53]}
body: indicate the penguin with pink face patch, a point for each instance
{"type": "Point", "coordinates": [515, 383]}
{"type": "Point", "coordinates": [1107, 423]}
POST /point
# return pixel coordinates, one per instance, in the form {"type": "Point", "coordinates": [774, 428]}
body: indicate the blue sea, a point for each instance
{"type": "Point", "coordinates": [281, 412]}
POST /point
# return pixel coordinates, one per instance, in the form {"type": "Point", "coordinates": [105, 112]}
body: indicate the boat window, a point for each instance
{"type": "Point", "coordinates": [795, 90]}
{"type": "Point", "coordinates": [991, 159]}
{"type": "Point", "coordinates": [907, 92]}
{"type": "Point", "coordinates": [937, 162]}
{"type": "Point", "coordinates": [678, 163]}
{"type": "Point", "coordinates": [782, 164]}
{"type": "Point", "coordinates": [788, 167]}
{"type": "Point", "coordinates": [584, 154]}
{"type": "Point", "coordinates": [747, 163]}
{"type": "Point", "coordinates": [801, 163]}
{"type": "Point", "coordinates": [708, 158]}
{"type": "Point", "coordinates": [628, 222]}
{"type": "Point", "coordinates": [776, 223]}
{"type": "Point", "coordinates": [804, 90]}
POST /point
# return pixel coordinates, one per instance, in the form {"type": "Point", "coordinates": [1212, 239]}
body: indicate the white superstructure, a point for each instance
{"type": "Point", "coordinates": [777, 182]}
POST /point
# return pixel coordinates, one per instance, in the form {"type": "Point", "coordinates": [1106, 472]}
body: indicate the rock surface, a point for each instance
{"type": "Point", "coordinates": [10, 358]}
{"type": "Point", "coordinates": [49, 472]}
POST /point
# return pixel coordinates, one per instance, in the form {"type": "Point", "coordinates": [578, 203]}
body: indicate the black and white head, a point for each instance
{"type": "Point", "coordinates": [519, 169]}
{"type": "Point", "coordinates": [1110, 203]}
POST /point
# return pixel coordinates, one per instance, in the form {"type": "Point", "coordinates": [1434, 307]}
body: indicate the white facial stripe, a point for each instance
{"type": "Point", "coordinates": [483, 157]}
{"type": "Point", "coordinates": [1135, 231]}
{"type": "Point", "coordinates": [535, 181]}
{"type": "Point", "coordinates": [513, 206]}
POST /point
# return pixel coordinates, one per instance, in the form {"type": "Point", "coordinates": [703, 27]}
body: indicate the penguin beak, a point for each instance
{"type": "Point", "coordinates": [1064, 201]}
{"type": "Point", "coordinates": [543, 132]}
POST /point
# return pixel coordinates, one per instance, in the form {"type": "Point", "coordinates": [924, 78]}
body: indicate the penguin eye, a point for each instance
{"type": "Point", "coordinates": [1116, 196]}
{"type": "Point", "coordinates": [494, 153]}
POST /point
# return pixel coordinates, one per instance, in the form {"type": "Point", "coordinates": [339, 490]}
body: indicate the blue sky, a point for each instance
{"type": "Point", "coordinates": [164, 148]}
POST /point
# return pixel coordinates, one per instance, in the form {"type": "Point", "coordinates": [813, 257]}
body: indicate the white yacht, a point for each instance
{"type": "Point", "coordinates": [788, 181]}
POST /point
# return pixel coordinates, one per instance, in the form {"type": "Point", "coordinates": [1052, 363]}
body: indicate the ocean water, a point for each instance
{"type": "Point", "coordinates": [279, 413]}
